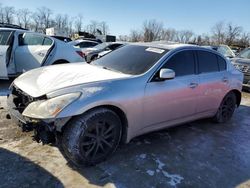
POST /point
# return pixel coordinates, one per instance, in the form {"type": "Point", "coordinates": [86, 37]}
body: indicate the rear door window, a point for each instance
{"type": "Point", "coordinates": [183, 63]}
{"type": "Point", "coordinates": [47, 42]}
{"type": "Point", "coordinates": [207, 62]}
{"type": "Point", "coordinates": [31, 39]}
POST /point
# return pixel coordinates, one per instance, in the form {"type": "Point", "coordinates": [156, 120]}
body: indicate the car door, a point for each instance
{"type": "Point", "coordinates": [5, 52]}
{"type": "Point", "coordinates": [175, 99]}
{"type": "Point", "coordinates": [32, 51]}
{"type": "Point", "coordinates": [214, 81]}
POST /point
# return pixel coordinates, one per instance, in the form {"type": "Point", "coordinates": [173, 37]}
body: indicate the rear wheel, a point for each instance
{"type": "Point", "coordinates": [92, 137]}
{"type": "Point", "coordinates": [226, 109]}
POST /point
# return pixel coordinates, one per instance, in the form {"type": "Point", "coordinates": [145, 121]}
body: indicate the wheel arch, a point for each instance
{"type": "Point", "coordinates": [238, 96]}
{"type": "Point", "coordinates": [115, 109]}
{"type": "Point", "coordinates": [60, 61]}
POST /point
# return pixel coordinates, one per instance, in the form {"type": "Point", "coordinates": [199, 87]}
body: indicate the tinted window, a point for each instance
{"type": "Point", "coordinates": [4, 37]}
{"type": "Point", "coordinates": [114, 46]}
{"type": "Point", "coordinates": [29, 39]}
{"type": "Point", "coordinates": [131, 59]}
{"type": "Point", "coordinates": [86, 44]}
{"type": "Point", "coordinates": [182, 63]}
{"type": "Point", "coordinates": [222, 63]}
{"type": "Point", "coordinates": [47, 42]}
{"type": "Point", "coordinates": [207, 62]}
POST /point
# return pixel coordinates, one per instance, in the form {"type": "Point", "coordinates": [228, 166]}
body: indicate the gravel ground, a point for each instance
{"type": "Point", "coordinates": [197, 154]}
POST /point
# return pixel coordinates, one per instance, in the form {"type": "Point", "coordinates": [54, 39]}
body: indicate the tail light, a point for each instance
{"type": "Point", "coordinates": [80, 53]}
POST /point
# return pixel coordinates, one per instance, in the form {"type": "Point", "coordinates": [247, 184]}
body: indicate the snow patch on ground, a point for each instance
{"type": "Point", "coordinates": [150, 172]}
{"type": "Point", "coordinates": [143, 156]}
{"type": "Point", "coordinates": [174, 178]}
{"type": "Point", "coordinates": [160, 164]}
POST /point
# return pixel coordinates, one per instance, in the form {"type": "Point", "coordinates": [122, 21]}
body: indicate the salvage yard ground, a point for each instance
{"type": "Point", "coordinates": [197, 154]}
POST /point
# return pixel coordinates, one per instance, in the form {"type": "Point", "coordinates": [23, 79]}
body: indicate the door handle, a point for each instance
{"type": "Point", "coordinates": [193, 85]}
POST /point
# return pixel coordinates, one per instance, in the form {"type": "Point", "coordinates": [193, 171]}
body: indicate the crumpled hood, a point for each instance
{"type": "Point", "coordinates": [44, 80]}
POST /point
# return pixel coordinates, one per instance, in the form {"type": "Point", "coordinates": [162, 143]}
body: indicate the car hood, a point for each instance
{"type": "Point", "coordinates": [44, 80]}
{"type": "Point", "coordinates": [240, 60]}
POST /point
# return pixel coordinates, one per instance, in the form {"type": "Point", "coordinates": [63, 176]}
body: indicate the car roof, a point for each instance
{"type": "Point", "coordinates": [167, 46]}
{"type": "Point", "coordinates": [12, 29]}
{"type": "Point", "coordinates": [172, 46]}
{"type": "Point", "coordinates": [81, 40]}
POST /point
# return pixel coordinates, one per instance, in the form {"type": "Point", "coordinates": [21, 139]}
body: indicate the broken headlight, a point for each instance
{"type": "Point", "coordinates": [50, 108]}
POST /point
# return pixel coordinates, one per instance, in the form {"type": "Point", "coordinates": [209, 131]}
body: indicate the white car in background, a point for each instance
{"type": "Point", "coordinates": [83, 44]}
{"type": "Point", "coordinates": [22, 50]}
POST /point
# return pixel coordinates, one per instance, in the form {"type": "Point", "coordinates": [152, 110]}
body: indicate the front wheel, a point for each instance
{"type": "Point", "coordinates": [89, 139]}
{"type": "Point", "coordinates": [226, 109]}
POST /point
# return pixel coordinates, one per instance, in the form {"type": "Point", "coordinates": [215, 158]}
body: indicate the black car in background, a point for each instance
{"type": "Point", "coordinates": [242, 63]}
{"type": "Point", "coordinates": [92, 53]}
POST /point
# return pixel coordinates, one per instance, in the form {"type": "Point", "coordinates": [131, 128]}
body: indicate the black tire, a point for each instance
{"type": "Point", "coordinates": [95, 57]}
{"type": "Point", "coordinates": [226, 109]}
{"type": "Point", "coordinates": [92, 137]}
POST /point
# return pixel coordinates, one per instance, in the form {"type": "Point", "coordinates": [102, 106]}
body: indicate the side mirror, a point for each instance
{"type": "Point", "coordinates": [167, 74]}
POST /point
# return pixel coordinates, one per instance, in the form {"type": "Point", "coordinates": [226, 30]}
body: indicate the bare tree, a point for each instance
{"type": "Point", "coordinates": [184, 36]}
{"type": "Point", "coordinates": [104, 28]}
{"type": "Point", "coordinates": [78, 22]}
{"type": "Point", "coordinates": [58, 20]}
{"type": "Point", "coordinates": [232, 33]}
{"type": "Point", "coordinates": [23, 17]}
{"type": "Point", "coordinates": [1, 14]}
{"type": "Point", "coordinates": [218, 33]}
{"type": "Point", "coordinates": [135, 36]}
{"type": "Point", "coordinates": [169, 34]}
{"type": "Point", "coordinates": [92, 27]}
{"type": "Point", "coordinates": [44, 14]}
{"type": "Point", "coordinates": [244, 40]}
{"type": "Point", "coordinates": [152, 30]}
{"type": "Point", "coordinates": [9, 14]}
{"type": "Point", "coordinates": [36, 26]}
{"type": "Point", "coordinates": [123, 38]}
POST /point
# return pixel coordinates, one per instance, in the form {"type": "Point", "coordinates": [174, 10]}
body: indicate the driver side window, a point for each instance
{"type": "Point", "coordinates": [183, 63]}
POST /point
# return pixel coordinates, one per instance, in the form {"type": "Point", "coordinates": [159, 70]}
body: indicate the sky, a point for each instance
{"type": "Point", "coordinates": [122, 16]}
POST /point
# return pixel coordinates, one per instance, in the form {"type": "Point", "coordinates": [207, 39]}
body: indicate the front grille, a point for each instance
{"type": "Point", "coordinates": [243, 68]}
{"type": "Point", "coordinates": [20, 99]}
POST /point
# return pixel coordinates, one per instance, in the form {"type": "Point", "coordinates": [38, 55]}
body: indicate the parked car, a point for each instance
{"type": "Point", "coordinates": [242, 63]}
{"type": "Point", "coordinates": [134, 90]}
{"type": "Point", "coordinates": [92, 53]}
{"type": "Point", "coordinates": [224, 50]}
{"type": "Point", "coordinates": [22, 50]}
{"type": "Point", "coordinates": [62, 38]}
{"type": "Point", "coordinates": [108, 50]}
{"type": "Point", "coordinates": [83, 44]}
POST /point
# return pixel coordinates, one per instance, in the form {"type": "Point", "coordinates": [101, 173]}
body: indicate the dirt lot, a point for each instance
{"type": "Point", "coordinates": [198, 154]}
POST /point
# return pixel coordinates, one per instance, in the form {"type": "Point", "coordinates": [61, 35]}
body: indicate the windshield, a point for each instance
{"type": "Point", "coordinates": [131, 59]}
{"type": "Point", "coordinates": [245, 54]}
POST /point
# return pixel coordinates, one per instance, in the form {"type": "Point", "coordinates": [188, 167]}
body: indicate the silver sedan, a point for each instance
{"type": "Point", "coordinates": [134, 90]}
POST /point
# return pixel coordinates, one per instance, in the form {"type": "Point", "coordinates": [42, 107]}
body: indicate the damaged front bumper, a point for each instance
{"type": "Point", "coordinates": [44, 130]}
